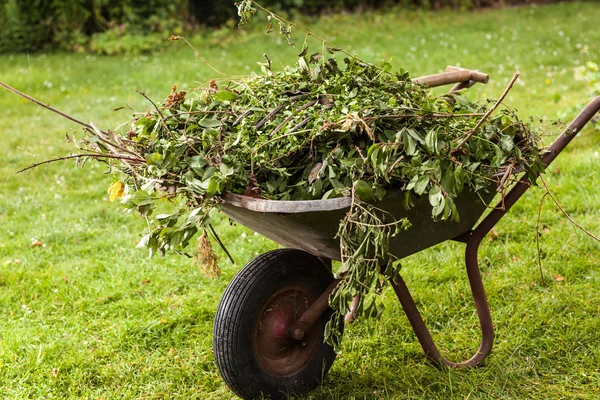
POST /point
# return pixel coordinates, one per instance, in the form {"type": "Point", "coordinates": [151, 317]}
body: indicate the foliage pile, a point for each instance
{"type": "Point", "coordinates": [319, 130]}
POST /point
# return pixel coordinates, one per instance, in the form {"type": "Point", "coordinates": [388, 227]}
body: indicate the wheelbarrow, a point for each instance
{"type": "Point", "coordinates": [269, 327]}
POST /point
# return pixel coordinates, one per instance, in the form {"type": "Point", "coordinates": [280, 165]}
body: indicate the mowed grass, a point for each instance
{"type": "Point", "coordinates": [86, 315]}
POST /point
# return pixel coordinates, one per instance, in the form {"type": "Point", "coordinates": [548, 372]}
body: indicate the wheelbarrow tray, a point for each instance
{"type": "Point", "coordinates": [312, 225]}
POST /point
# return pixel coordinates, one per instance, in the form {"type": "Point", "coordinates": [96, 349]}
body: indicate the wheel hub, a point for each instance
{"type": "Point", "coordinates": [277, 352]}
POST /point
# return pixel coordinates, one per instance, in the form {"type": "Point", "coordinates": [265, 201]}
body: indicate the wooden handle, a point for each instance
{"type": "Point", "coordinates": [476, 76]}
{"type": "Point", "coordinates": [444, 78]}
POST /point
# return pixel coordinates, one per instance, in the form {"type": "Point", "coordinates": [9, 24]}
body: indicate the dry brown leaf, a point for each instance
{"type": "Point", "coordinates": [207, 258]}
{"type": "Point", "coordinates": [493, 235]}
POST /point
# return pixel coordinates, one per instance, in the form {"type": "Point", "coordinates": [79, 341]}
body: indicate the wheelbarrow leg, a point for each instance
{"type": "Point", "coordinates": [481, 304]}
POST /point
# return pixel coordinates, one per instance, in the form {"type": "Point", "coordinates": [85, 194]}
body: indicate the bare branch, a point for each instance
{"type": "Point", "coordinates": [46, 106]}
{"type": "Point", "coordinates": [93, 155]}
{"type": "Point", "coordinates": [487, 114]}
{"type": "Point", "coordinates": [160, 114]}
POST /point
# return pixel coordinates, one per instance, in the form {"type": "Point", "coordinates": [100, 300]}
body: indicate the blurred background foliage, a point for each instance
{"type": "Point", "coordinates": [128, 26]}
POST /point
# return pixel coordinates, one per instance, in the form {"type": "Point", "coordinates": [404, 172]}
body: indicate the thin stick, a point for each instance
{"type": "Point", "coordinates": [565, 213]}
{"type": "Point", "coordinates": [99, 134]}
{"type": "Point", "coordinates": [241, 117]}
{"type": "Point", "coordinates": [301, 124]}
{"type": "Point", "coordinates": [89, 127]}
{"type": "Point", "coordinates": [487, 114]}
{"type": "Point", "coordinates": [309, 33]}
{"type": "Point", "coordinates": [506, 175]}
{"type": "Point", "coordinates": [46, 106]}
{"type": "Point", "coordinates": [178, 113]}
{"type": "Point", "coordinates": [198, 56]}
{"type": "Point", "coordinates": [162, 117]}
{"type": "Point", "coordinates": [269, 115]}
{"type": "Point", "coordinates": [280, 137]}
{"type": "Point", "coordinates": [537, 238]}
{"type": "Point", "coordinates": [288, 119]}
{"type": "Point", "coordinates": [212, 230]}
{"type": "Point", "coordinates": [432, 115]}
{"type": "Point", "coordinates": [93, 155]}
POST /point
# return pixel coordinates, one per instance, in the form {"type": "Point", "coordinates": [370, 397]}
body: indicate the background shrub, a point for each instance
{"type": "Point", "coordinates": [116, 26]}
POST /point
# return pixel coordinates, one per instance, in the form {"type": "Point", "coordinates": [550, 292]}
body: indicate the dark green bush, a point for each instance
{"type": "Point", "coordinates": [74, 24]}
{"type": "Point", "coordinates": [115, 26]}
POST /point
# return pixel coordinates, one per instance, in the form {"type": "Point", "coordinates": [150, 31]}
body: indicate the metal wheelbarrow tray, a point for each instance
{"type": "Point", "coordinates": [268, 333]}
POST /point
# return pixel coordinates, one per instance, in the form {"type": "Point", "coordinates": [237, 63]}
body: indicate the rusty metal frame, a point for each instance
{"type": "Point", "coordinates": [473, 240]}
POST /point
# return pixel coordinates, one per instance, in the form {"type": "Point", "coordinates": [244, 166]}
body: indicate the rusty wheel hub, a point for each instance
{"type": "Point", "coordinates": [277, 352]}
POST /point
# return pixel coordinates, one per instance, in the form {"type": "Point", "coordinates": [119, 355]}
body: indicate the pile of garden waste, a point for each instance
{"type": "Point", "coordinates": [327, 127]}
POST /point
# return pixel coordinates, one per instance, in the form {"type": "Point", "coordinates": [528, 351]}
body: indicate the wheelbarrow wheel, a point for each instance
{"type": "Point", "coordinates": [251, 343]}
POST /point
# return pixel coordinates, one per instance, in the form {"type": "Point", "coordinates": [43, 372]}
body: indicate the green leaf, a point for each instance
{"type": "Point", "coordinates": [209, 123]}
{"type": "Point", "coordinates": [431, 141]}
{"type": "Point", "coordinates": [435, 196]}
{"type": "Point", "coordinates": [225, 95]}
{"type": "Point", "coordinates": [421, 185]}
{"type": "Point", "coordinates": [304, 50]}
{"type": "Point", "coordinates": [363, 191]}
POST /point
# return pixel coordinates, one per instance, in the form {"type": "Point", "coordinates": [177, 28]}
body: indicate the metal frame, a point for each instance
{"type": "Point", "coordinates": [463, 79]}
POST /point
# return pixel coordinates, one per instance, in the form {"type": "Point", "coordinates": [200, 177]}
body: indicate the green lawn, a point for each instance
{"type": "Point", "coordinates": [87, 315]}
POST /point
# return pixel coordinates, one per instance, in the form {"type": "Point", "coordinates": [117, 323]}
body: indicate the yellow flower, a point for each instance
{"type": "Point", "coordinates": [116, 190]}
{"type": "Point", "coordinates": [548, 81]}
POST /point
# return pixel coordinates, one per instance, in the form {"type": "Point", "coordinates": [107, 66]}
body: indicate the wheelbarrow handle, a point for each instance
{"type": "Point", "coordinates": [571, 131]}
{"type": "Point", "coordinates": [453, 75]}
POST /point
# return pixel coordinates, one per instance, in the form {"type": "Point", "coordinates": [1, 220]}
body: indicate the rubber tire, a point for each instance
{"type": "Point", "coordinates": [239, 312]}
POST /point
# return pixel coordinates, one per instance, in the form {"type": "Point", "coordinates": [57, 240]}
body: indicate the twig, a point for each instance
{"type": "Point", "coordinates": [269, 115]}
{"type": "Point", "coordinates": [487, 114]}
{"type": "Point", "coordinates": [423, 116]}
{"type": "Point", "coordinates": [46, 106]}
{"type": "Point", "coordinates": [212, 230]}
{"type": "Point", "coordinates": [537, 237]}
{"type": "Point", "coordinates": [309, 33]}
{"type": "Point", "coordinates": [91, 128]}
{"type": "Point", "coordinates": [178, 113]}
{"type": "Point", "coordinates": [241, 117]}
{"type": "Point", "coordinates": [565, 213]}
{"type": "Point", "coordinates": [506, 175]}
{"type": "Point", "coordinates": [300, 125]}
{"type": "Point", "coordinates": [279, 137]}
{"type": "Point", "coordinates": [288, 119]}
{"type": "Point", "coordinates": [93, 155]}
{"type": "Point", "coordinates": [197, 54]}
{"type": "Point", "coordinates": [268, 61]}
{"type": "Point", "coordinates": [160, 114]}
